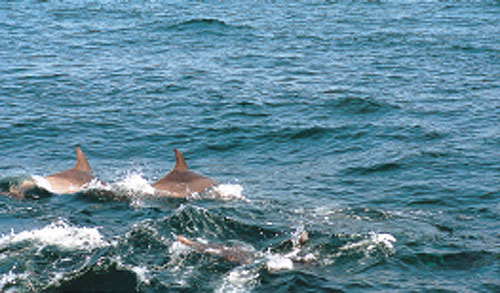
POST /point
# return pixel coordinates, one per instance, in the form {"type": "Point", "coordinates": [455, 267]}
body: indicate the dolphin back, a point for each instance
{"type": "Point", "coordinates": [181, 181]}
{"type": "Point", "coordinates": [72, 180]}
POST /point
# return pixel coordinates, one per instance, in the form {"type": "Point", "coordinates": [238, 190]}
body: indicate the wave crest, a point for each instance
{"type": "Point", "coordinates": [60, 234]}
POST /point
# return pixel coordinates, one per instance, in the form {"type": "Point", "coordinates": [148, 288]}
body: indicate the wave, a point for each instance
{"type": "Point", "coordinates": [202, 22]}
{"type": "Point", "coordinates": [148, 256]}
{"type": "Point", "coordinates": [14, 282]}
{"type": "Point", "coordinates": [197, 221]}
{"type": "Point", "coordinates": [429, 200]}
{"type": "Point", "coordinates": [375, 168]}
{"type": "Point", "coordinates": [240, 279]}
{"type": "Point", "coordinates": [60, 234]}
{"type": "Point", "coordinates": [41, 257]}
{"type": "Point", "coordinates": [105, 276]}
{"type": "Point", "coordinates": [305, 133]}
{"type": "Point", "coordinates": [409, 160]}
{"type": "Point", "coordinates": [382, 240]}
{"type": "Point", "coordinates": [356, 253]}
{"type": "Point", "coordinates": [296, 281]}
{"type": "Point", "coordinates": [207, 26]}
{"type": "Point", "coordinates": [463, 260]}
{"type": "Point", "coordinates": [412, 133]}
{"type": "Point", "coordinates": [357, 105]}
{"type": "Point", "coordinates": [242, 138]}
{"type": "Point", "coordinates": [472, 48]}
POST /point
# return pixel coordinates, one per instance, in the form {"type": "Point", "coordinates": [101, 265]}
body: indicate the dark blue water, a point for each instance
{"type": "Point", "coordinates": [373, 126]}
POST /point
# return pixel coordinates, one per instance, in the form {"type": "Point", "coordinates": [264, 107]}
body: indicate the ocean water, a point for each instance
{"type": "Point", "coordinates": [373, 126]}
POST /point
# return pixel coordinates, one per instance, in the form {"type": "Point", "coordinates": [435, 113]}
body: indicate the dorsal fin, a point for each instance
{"type": "Point", "coordinates": [81, 161]}
{"type": "Point", "coordinates": [180, 165]}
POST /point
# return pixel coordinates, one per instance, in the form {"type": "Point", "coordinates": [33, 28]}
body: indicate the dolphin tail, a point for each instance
{"type": "Point", "coordinates": [180, 165]}
{"type": "Point", "coordinates": [81, 161]}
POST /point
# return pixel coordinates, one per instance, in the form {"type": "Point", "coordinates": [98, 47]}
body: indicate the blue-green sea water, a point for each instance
{"type": "Point", "coordinates": [374, 126]}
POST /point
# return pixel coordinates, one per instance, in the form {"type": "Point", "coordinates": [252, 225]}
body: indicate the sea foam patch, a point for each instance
{"type": "Point", "coordinates": [11, 278]}
{"type": "Point", "coordinates": [98, 185]}
{"type": "Point", "coordinates": [142, 272]}
{"type": "Point", "coordinates": [43, 183]}
{"type": "Point", "coordinates": [60, 234]}
{"type": "Point", "coordinates": [240, 279]}
{"type": "Point", "coordinates": [227, 192]}
{"type": "Point", "coordinates": [134, 182]}
{"type": "Point", "coordinates": [276, 262]}
{"type": "Point", "coordinates": [382, 240]}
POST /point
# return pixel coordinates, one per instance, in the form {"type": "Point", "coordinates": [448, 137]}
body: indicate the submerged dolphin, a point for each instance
{"type": "Point", "coordinates": [69, 181]}
{"type": "Point", "coordinates": [235, 253]}
{"type": "Point", "coordinates": [181, 182]}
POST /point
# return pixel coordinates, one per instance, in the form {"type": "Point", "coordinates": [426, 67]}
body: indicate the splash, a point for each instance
{"type": "Point", "coordinates": [141, 272]}
{"type": "Point", "coordinates": [135, 183]}
{"type": "Point", "coordinates": [177, 264]}
{"type": "Point", "coordinates": [60, 234]}
{"type": "Point", "coordinates": [240, 279]}
{"type": "Point", "coordinates": [43, 183]}
{"type": "Point", "coordinates": [276, 262]}
{"type": "Point", "coordinates": [11, 278]}
{"type": "Point", "coordinates": [227, 192]}
{"type": "Point", "coordinates": [97, 184]}
{"type": "Point", "coordinates": [298, 241]}
{"type": "Point", "coordinates": [382, 240]}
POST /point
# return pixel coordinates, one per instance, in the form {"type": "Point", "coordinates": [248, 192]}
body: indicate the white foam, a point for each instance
{"type": "Point", "coordinates": [98, 184]}
{"type": "Point", "coordinates": [43, 183]}
{"type": "Point", "coordinates": [382, 240]}
{"type": "Point", "coordinates": [59, 234]}
{"type": "Point", "coordinates": [177, 264]}
{"type": "Point", "coordinates": [240, 279]}
{"type": "Point", "coordinates": [142, 273]}
{"type": "Point", "coordinates": [276, 262]}
{"type": "Point", "coordinates": [292, 254]}
{"type": "Point", "coordinates": [228, 192]}
{"type": "Point", "coordinates": [177, 248]}
{"type": "Point", "coordinates": [134, 182]}
{"type": "Point", "coordinates": [10, 278]}
{"type": "Point", "coordinates": [309, 257]}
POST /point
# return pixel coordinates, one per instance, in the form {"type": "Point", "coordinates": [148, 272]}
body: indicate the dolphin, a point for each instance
{"type": "Point", "coordinates": [236, 253]}
{"type": "Point", "coordinates": [72, 180]}
{"type": "Point", "coordinates": [181, 182]}
{"type": "Point", "coordinates": [233, 254]}
{"type": "Point", "coordinates": [69, 181]}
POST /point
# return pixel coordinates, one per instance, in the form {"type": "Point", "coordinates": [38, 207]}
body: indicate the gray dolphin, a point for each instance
{"type": "Point", "coordinates": [69, 181]}
{"type": "Point", "coordinates": [181, 182]}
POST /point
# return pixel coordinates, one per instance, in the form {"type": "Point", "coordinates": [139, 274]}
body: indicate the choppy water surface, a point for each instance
{"type": "Point", "coordinates": [373, 126]}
